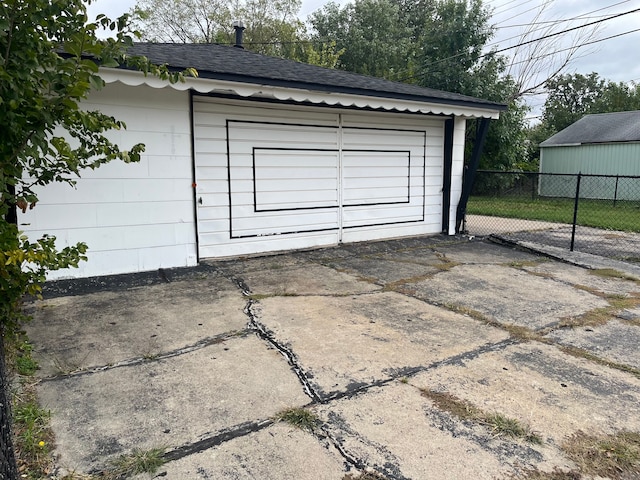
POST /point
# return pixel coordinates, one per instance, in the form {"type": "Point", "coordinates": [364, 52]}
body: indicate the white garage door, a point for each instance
{"type": "Point", "coordinates": [270, 178]}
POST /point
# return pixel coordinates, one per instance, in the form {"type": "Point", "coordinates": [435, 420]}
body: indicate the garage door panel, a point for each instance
{"type": "Point", "coordinates": [296, 200]}
{"type": "Point", "coordinates": [244, 134]}
{"type": "Point", "coordinates": [291, 222]}
{"type": "Point", "coordinates": [264, 174]}
{"type": "Point", "coordinates": [381, 215]}
{"type": "Point", "coordinates": [366, 138]}
{"type": "Point", "coordinates": [318, 184]}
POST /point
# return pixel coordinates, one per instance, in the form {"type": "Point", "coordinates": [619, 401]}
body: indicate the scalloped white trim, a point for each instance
{"type": "Point", "coordinates": [202, 85]}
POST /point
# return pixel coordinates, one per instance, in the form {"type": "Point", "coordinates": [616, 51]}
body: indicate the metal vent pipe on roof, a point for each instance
{"type": "Point", "coordinates": [239, 28]}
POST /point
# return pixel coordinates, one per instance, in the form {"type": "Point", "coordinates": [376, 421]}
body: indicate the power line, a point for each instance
{"type": "Point", "coordinates": [546, 22]}
{"type": "Point", "coordinates": [499, 11]}
{"type": "Point", "coordinates": [568, 30]}
{"type": "Point", "coordinates": [583, 45]}
{"type": "Point", "coordinates": [582, 16]}
{"type": "Point", "coordinates": [493, 52]}
{"type": "Point", "coordinates": [521, 13]}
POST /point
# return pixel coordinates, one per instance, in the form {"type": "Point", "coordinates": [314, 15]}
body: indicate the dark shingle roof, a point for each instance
{"type": "Point", "coordinates": [238, 65]}
{"type": "Point", "coordinates": [599, 128]}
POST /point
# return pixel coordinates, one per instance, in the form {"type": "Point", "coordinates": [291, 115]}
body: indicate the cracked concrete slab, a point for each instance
{"type": "Point", "coordinates": [541, 386]}
{"type": "Point", "coordinates": [506, 294]}
{"type": "Point", "coordinates": [401, 434]}
{"type": "Point", "coordinates": [103, 328]}
{"type": "Point", "coordinates": [277, 452]}
{"type": "Point", "coordinates": [485, 253]}
{"type": "Point", "coordinates": [307, 280]}
{"type": "Point", "coordinates": [578, 276]}
{"type": "Point", "coordinates": [384, 270]}
{"type": "Point", "coordinates": [257, 264]}
{"type": "Point", "coordinates": [166, 403]}
{"type": "Point", "coordinates": [615, 341]}
{"type": "Point", "coordinates": [346, 342]}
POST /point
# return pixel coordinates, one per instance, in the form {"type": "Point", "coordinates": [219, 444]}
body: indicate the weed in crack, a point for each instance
{"type": "Point", "coordinates": [613, 273]}
{"type": "Point", "coordinates": [447, 264]}
{"type": "Point", "coordinates": [555, 474]}
{"type": "Point", "coordinates": [68, 366]}
{"type": "Point", "coordinates": [365, 476]}
{"type": "Point", "coordinates": [300, 418]}
{"type": "Point", "coordinates": [138, 461]}
{"type": "Point", "coordinates": [526, 263]}
{"type": "Point", "coordinates": [500, 425]}
{"type": "Point", "coordinates": [262, 296]}
{"type": "Point", "coordinates": [601, 316]}
{"type": "Point", "coordinates": [517, 332]}
{"type": "Point", "coordinates": [580, 353]}
{"type": "Point", "coordinates": [592, 318]}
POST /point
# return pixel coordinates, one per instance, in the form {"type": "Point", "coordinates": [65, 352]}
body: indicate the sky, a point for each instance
{"type": "Point", "coordinates": [616, 59]}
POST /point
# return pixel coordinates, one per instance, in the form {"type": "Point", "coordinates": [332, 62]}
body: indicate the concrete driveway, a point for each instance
{"type": "Point", "coordinates": [405, 359]}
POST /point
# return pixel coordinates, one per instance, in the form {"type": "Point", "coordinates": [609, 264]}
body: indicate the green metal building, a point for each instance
{"type": "Point", "coordinates": [606, 144]}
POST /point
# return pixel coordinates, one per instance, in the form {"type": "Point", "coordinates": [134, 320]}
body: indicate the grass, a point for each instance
{"type": "Point", "coordinates": [613, 456]}
{"type": "Point", "coordinates": [24, 363]}
{"type": "Point", "coordinates": [556, 474]}
{"type": "Point", "coordinates": [591, 213]}
{"type": "Point", "coordinates": [32, 435]}
{"type": "Point", "coordinates": [300, 418]}
{"type": "Point", "coordinates": [498, 424]}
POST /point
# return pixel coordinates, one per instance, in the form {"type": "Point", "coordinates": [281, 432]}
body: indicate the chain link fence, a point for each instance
{"type": "Point", "coordinates": [8, 468]}
{"type": "Point", "coordinates": [597, 214]}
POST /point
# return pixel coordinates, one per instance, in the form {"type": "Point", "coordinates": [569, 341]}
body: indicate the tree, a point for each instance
{"type": "Point", "coordinates": [451, 56]}
{"type": "Point", "coordinates": [272, 26]}
{"type": "Point", "coordinates": [569, 98]}
{"type": "Point", "coordinates": [373, 35]}
{"type": "Point", "coordinates": [617, 97]}
{"type": "Point", "coordinates": [49, 61]}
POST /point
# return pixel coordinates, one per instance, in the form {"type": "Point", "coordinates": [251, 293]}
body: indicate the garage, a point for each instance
{"type": "Point", "coordinates": [272, 177]}
{"type": "Point", "coordinates": [255, 155]}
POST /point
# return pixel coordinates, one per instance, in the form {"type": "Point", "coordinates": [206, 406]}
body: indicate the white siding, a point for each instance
{"type": "Point", "coordinates": [273, 177]}
{"type": "Point", "coordinates": [134, 217]}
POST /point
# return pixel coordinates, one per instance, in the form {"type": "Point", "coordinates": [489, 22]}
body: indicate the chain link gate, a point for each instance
{"type": "Point", "coordinates": [597, 214]}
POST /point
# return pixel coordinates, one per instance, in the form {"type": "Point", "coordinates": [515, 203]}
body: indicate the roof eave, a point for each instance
{"type": "Point", "coordinates": [311, 93]}
{"type": "Point", "coordinates": [312, 86]}
{"type": "Point", "coordinates": [542, 145]}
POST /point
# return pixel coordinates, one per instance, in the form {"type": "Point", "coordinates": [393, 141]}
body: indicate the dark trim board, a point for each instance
{"type": "Point", "coordinates": [446, 174]}
{"type": "Point", "coordinates": [193, 173]}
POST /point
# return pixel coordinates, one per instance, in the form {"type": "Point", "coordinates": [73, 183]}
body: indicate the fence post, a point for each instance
{"type": "Point", "coordinates": [615, 193]}
{"type": "Point", "coordinates": [575, 211]}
